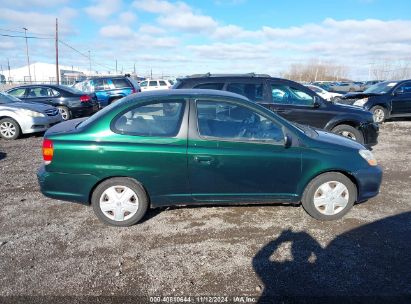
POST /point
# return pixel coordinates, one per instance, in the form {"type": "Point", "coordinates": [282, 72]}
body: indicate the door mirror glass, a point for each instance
{"type": "Point", "coordinates": [317, 102]}
{"type": "Point", "coordinates": [287, 141]}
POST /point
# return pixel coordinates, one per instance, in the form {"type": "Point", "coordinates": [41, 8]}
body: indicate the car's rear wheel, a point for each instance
{"type": "Point", "coordinates": [379, 114]}
{"type": "Point", "coordinates": [349, 132]}
{"type": "Point", "coordinates": [65, 112]}
{"type": "Point", "coordinates": [119, 201]}
{"type": "Point", "coordinates": [9, 129]}
{"type": "Point", "coordinates": [329, 196]}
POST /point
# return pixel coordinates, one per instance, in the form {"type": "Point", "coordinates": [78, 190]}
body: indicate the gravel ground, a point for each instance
{"type": "Point", "coordinates": [55, 248]}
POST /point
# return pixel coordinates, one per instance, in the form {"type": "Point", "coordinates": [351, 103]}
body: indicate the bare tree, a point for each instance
{"type": "Point", "coordinates": [391, 70]}
{"type": "Point", "coordinates": [315, 71]}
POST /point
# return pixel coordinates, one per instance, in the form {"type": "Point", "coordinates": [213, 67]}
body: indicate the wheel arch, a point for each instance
{"type": "Point", "coordinates": [117, 176]}
{"type": "Point", "coordinates": [349, 175]}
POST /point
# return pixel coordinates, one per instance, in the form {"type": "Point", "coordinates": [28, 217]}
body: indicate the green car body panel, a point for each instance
{"type": "Point", "coordinates": [187, 169]}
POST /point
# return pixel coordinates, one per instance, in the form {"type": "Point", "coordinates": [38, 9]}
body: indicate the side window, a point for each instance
{"type": "Point", "coordinates": [17, 92]}
{"type": "Point", "coordinates": [229, 121]}
{"type": "Point", "coordinates": [40, 92]}
{"type": "Point", "coordinates": [120, 83]}
{"type": "Point", "coordinates": [155, 119]}
{"type": "Point", "coordinates": [162, 83]}
{"type": "Point", "coordinates": [143, 84]}
{"type": "Point", "coordinates": [55, 93]}
{"type": "Point", "coordinates": [210, 86]}
{"type": "Point", "coordinates": [405, 88]}
{"type": "Point", "coordinates": [152, 83]}
{"type": "Point", "coordinates": [100, 84]}
{"type": "Point", "coordinates": [284, 94]}
{"type": "Point", "coordinates": [253, 91]}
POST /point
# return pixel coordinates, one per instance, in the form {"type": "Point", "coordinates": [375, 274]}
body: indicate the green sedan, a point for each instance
{"type": "Point", "coordinates": [183, 147]}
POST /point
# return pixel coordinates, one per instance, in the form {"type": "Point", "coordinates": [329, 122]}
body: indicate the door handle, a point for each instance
{"type": "Point", "coordinates": [203, 159]}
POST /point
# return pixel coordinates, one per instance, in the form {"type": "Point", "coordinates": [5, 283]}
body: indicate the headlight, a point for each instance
{"type": "Point", "coordinates": [369, 157]}
{"type": "Point", "coordinates": [360, 102]}
{"type": "Point", "coordinates": [30, 113]}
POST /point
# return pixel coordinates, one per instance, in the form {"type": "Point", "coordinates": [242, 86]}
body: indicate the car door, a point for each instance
{"type": "Point", "coordinates": [153, 85]}
{"type": "Point", "coordinates": [41, 94]}
{"type": "Point", "coordinates": [296, 103]}
{"type": "Point", "coordinates": [102, 90]}
{"type": "Point", "coordinates": [238, 154]}
{"type": "Point", "coordinates": [401, 100]}
{"type": "Point", "coordinates": [150, 144]}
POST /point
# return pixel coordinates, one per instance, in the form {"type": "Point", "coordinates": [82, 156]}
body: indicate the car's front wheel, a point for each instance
{"type": "Point", "coordinates": [349, 132]}
{"type": "Point", "coordinates": [9, 129]}
{"type": "Point", "coordinates": [119, 201]}
{"type": "Point", "coordinates": [379, 114]}
{"type": "Point", "coordinates": [329, 196]}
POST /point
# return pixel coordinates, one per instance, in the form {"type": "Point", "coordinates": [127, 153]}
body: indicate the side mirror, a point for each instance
{"type": "Point", "coordinates": [287, 141]}
{"type": "Point", "coordinates": [398, 91]}
{"type": "Point", "coordinates": [316, 103]}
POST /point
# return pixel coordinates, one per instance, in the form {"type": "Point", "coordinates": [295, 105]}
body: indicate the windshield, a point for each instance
{"type": "Point", "coordinates": [381, 88]}
{"type": "Point", "coordinates": [7, 98]}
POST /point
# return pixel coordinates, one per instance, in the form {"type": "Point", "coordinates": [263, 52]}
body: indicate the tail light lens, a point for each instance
{"type": "Point", "coordinates": [85, 98]}
{"type": "Point", "coordinates": [48, 151]}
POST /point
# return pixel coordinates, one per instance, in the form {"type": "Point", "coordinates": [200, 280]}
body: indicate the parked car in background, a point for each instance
{"type": "Point", "coordinates": [187, 147]}
{"type": "Point", "coordinates": [109, 88]}
{"type": "Point", "coordinates": [368, 84]}
{"type": "Point", "coordinates": [345, 87]}
{"type": "Point", "coordinates": [292, 101]}
{"type": "Point", "coordinates": [323, 93]}
{"type": "Point", "coordinates": [155, 84]}
{"type": "Point", "coordinates": [17, 117]}
{"type": "Point", "coordinates": [385, 99]}
{"type": "Point", "coordinates": [69, 101]}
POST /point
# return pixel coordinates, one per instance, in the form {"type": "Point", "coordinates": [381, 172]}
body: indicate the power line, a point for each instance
{"type": "Point", "coordinates": [28, 37]}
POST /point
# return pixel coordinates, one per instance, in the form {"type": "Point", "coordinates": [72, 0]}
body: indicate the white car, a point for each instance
{"type": "Point", "coordinates": [17, 117]}
{"type": "Point", "coordinates": [155, 84]}
{"type": "Point", "coordinates": [323, 93]}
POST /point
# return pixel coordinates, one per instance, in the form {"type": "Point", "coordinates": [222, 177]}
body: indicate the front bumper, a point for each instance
{"type": "Point", "coordinates": [368, 182]}
{"type": "Point", "coordinates": [38, 124]}
{"type": "Point", "coordinates": [370, 132]}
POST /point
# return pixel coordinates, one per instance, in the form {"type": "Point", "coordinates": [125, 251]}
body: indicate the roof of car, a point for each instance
{"type": "Point", "coordinates": [40, 85]}
{"type": "Point", "coordinates": [199, 92]}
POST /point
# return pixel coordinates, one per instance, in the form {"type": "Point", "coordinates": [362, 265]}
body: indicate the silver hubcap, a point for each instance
{"type": "Point", "coordinates": [331, 198]}
{"type": "Point", "coordinates": [7, 129]}
{"type": "Point", "coordinates": [348, 134]}
{"type": "Point", "coordinates": [64, 113]}
{"type": "Point", "coordinates": [119, 203]}
{"type": "Point", "coordinates": [378, 115]}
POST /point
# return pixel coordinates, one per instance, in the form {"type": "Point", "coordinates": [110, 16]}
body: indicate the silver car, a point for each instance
{"type": "Point", "coordinates": [17, 117]}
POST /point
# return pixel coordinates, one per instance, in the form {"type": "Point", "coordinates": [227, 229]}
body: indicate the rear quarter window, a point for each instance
{"type": "Point", "coordinates": [120, 83]}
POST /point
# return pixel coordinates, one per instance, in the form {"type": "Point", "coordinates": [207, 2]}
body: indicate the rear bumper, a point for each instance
{"type": "Point", "coordinates": [368, 182]}
{"type": "Point", "coordinates": [84, 111]}
{"type": "Point", "coordinates": [370, 133]}
{"type": "Point", "coordinates": [67, 187]}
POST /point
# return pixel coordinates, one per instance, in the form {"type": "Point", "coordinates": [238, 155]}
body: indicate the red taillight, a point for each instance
{"type": "Point", "coordinates": [48, 151]}
{"type": "Point", "coordinates": [85, 98]}
{"type": "Point", "coordinates": [134, 90]}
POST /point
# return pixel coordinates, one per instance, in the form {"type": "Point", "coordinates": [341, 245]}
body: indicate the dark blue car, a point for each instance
{"type": "Point", "coordinates": [109, 88]}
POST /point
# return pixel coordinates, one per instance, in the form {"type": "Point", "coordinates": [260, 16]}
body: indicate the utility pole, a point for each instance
{"type": "Point", "coordinates": [27, 51]}
{"type": "Point", "coordinates": [57, 53]}
{"type": "Point", "coordinates": [8, 66]}
{"type": "Point", "coordinates": [89, 60]}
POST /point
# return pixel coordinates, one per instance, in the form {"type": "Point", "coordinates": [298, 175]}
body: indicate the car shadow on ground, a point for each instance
{"type": "Point", "coordinates": [371, 263]}
{"type": "Point", "coordinates": [3, 155]}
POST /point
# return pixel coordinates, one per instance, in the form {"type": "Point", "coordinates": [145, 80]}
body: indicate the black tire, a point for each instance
{"type": "Point", "coordinates": [121, 182]}
{"type": "Point", "coordinates": [349, 132]}
{"type": "Point", "coordinates": [380, 110]}
{"type": "Point", "coordinates": [9, 129]}
{"type": "Point", "coordinates": [313, 186]}
{"type": "Point", "coordinates": [65, 112]}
